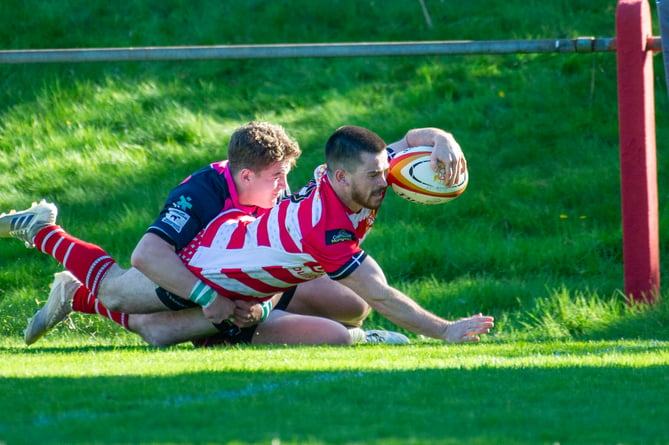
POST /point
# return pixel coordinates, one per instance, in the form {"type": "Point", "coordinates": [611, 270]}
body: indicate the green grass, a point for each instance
{"type": "Point", "coordinates": [535, 240]}
{"type": "Point", "coordinates": [513, 393]}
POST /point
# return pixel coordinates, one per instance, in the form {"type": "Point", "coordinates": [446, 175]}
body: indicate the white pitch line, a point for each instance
{"type": "Point", "coordinates": [251, 390]}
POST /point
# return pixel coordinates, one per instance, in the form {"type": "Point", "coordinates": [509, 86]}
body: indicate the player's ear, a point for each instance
{"type": "Point", "coordinates": [246, 176]}
{"type": "Point", "coordinates": [341, 177]}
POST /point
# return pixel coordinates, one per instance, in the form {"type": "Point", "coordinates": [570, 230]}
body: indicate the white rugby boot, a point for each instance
{"type": "Point", "coordinates": [387, 337]}
{"type": "Point", "coordinates": [25, 224]}
{"type": "Point", "coordinates": [58, 306]}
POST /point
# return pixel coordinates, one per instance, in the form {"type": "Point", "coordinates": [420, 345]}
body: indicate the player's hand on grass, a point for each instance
{"type": "Point", "coordinates": [220, 309]}
{"type": "Point", "coordinates": [247, 313]}
{"type": "Point", "coordinates": [468, 329]}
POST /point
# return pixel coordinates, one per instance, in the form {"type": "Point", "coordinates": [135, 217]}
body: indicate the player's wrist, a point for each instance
{"type": "Point", "coordinates": [266, 309]}
{"type": "Point", "coordinates": [202, 294]}
{"type": "Point", "coordinates": [445, 334]}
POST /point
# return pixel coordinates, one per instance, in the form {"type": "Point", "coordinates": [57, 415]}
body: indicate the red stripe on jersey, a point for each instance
{"type": "Point", "coordinates": [292, 275]}
{"type": "Point", "coordinates": [254, 283]}
{"type": "Point", "coordinates": [263, 233]}
{"type": "Point", "coordinates": [237, 237]}
{"type": "Point", "coordinates": [305, 213]}
{"type": "Point", "coordinates": [227, 293]}
{"type": "Point", "coordinates": [207, 235]}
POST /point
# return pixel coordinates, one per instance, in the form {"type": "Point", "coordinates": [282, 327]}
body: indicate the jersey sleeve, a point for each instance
{"type": "Point", "coordinates": [337, 251]}
{"type": "Point", "coordinates": [188, 209]}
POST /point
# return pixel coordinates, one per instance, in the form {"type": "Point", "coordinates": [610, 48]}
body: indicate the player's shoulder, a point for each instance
{"type": "Point", "coordinates": [207, 177]}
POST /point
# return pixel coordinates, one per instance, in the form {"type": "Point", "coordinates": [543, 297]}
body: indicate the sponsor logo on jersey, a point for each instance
{"type": "Point", "coordinates": [338, 236]}
{"type": "Point", "coordinates": [176, 218]}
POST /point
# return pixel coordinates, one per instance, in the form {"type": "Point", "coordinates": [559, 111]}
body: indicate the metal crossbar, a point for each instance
{"type": "Point", "coordinates": [367, 49]}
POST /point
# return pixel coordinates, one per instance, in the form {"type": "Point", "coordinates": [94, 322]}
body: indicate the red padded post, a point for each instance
{"type": "Point", "coordinates": [638, 167]}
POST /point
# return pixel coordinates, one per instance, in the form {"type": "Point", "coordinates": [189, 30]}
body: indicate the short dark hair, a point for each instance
{"type": "Point", "coordinates": [343, 148]}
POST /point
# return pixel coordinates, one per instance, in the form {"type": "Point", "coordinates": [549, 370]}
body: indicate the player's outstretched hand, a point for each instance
{"type": "Point", "coordinates": [468, 329]}
{"type": "Point", "coordinates": [220, 309]}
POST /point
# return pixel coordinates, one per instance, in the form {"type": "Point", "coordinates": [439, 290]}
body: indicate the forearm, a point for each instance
{"type": "Point", "coordinates": [429, 136]}
{"type": "Point", "coordinates": [406, 313]}
{"type": "Point", "coordinates": [157, 259]}
{"type": "Point", "coordinates": [369, 282]}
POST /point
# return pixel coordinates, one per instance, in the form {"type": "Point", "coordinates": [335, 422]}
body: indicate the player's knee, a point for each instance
{"type": "Point", "coordinates": [335, 334]}
{"type": "Point", "coordinates": [342, 338]}
{"type": "Point", "coordinates": [111, 301]}
{"type": "Point", "coordinates": [356, 315]}
{"type": "Point", "coordinates": [364, 311]}
{"type": "Point", "coordinates": [152, 333]}
{"type": "Point", "coordinates": [154, 337]}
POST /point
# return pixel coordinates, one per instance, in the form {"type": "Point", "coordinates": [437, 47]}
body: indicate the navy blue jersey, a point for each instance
{"type": "Point", "coordinates": [195, 202]}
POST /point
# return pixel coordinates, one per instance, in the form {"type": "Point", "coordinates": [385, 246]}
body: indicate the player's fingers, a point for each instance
{"type": "Point", "coordinates": [470, 339]}
{"type": "Point", "coordinates": [456, 174]}
{"type": "Point", "coordinates": [447, 171]}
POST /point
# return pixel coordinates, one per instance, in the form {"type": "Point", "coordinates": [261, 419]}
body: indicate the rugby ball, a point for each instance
{"type": "Point", "coordinates": [412, 178]}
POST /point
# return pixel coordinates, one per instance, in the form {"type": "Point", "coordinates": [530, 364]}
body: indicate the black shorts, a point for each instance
{"type": "Point", "coordinates": [230, 334]}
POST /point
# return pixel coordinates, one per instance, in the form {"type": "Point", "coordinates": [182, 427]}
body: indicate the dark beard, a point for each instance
{"type": "Point", "coordinates": [367, 201]}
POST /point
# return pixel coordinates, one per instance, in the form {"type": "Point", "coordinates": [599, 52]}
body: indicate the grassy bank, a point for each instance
{"type": "Point", "coordinates": [535, 240]}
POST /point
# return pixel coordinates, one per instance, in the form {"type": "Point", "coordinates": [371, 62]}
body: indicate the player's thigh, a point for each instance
{"type": "Point", "coordinates": [328, 298]}
{"type": "Point", "coordinates": [294, 329]}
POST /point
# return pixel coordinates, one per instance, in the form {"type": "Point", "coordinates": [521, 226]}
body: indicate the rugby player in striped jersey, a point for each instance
{"type": "Point", "coordinates": [171, 327]}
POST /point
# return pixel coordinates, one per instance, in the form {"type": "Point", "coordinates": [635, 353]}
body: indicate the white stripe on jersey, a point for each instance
{"type": "Point", "coordinates": [359, 217]}
{"type": "Point", "coordinates": [230, 267]}
{"type": "Point", "coordinates": [213, 261]}
{"type": "Point", "coordinates": [255, 270]}
{"type": "Point", "coordinates": [316, 208]}
{"type": "Point", "coordinates": [247, 259]}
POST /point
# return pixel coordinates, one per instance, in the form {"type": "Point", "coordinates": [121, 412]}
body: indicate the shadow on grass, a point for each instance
{"type": "Point", "coordinates": [646, 323]}
{"type": "Point", "coordinates": [570, 404]}
{"type": "Point", "coordinates": [73, 349]}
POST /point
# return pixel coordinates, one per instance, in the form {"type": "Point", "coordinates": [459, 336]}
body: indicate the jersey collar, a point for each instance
{"type": "Point", "coordinates": [234, 196]}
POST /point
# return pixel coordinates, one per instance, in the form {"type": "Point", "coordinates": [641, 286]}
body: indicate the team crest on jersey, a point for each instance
{"type": "Point", "coordinates": [338, 236]}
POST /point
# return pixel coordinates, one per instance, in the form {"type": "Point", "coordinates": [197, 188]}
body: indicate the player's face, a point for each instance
{"type": "Point", "coordinates": [368, 183]}
{"type": "Point", "coordinates": [267, 185]}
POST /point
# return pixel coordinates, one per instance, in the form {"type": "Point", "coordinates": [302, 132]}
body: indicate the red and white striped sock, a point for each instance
{"type": "Point", "coordinates": [86, 302]}
{"type": "Point", "coordinates": [87, 262]}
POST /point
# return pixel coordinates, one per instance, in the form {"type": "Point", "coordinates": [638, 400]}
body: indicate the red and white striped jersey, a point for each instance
{"type": "Point", "coordinates": [301, 238]}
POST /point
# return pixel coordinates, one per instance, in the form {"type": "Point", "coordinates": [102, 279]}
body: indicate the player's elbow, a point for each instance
{"type": "Point", "coordinates": [139, 257]}
{"type": "Point", "coordinates": [149, 248]}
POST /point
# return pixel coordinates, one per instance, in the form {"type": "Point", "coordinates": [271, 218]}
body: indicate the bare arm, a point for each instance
{"type": "Point", "coordinates": [369, 282]}
{"type": "Point", "coordinates": [446, 151]}
{"type": "Point", "coordinates": [156, 259]}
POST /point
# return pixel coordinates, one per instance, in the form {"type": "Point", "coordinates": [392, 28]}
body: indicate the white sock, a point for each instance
{"type": "Point", "coordinates": [357, 335]}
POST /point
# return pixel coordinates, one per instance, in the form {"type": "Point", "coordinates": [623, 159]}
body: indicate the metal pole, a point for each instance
{"type": "Point", "coordinates": [368, 49]}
